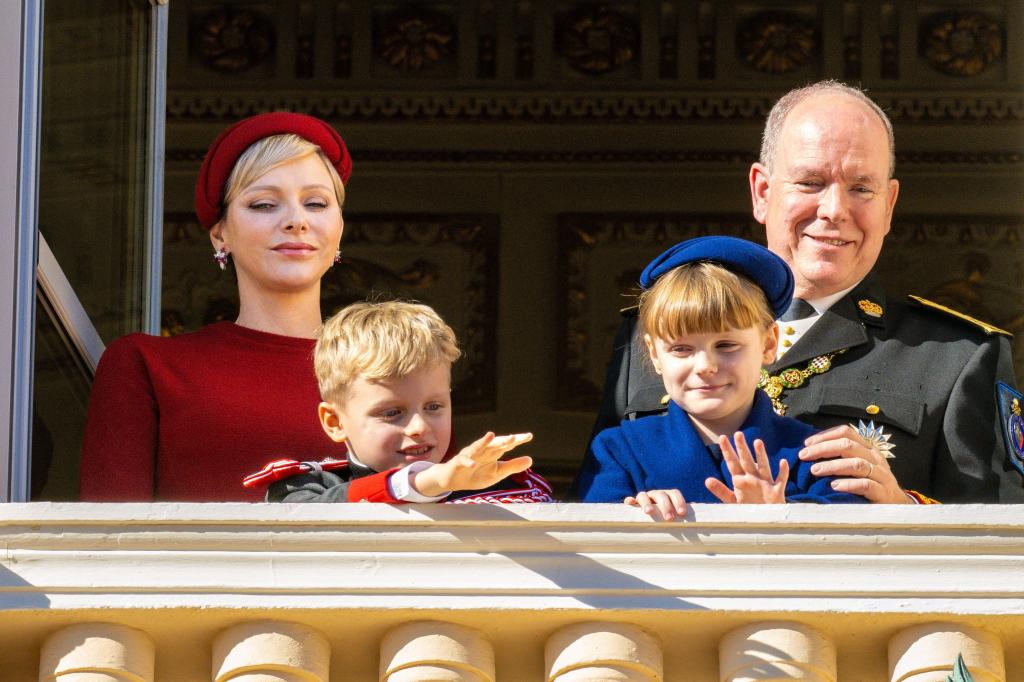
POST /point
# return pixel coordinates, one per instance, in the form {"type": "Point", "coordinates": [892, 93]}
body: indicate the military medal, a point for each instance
{"type": "Point", "coordinates": [876, 437]}
{"type": "Point", "coordinates": [793, 378]}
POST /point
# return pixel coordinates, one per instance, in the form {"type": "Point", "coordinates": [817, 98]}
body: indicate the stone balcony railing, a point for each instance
{"type": "Point", "coordinates": [566, 593]}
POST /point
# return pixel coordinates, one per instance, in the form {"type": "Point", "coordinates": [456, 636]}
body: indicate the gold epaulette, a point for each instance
{"type": "Point", "coordinates": [984, 326]}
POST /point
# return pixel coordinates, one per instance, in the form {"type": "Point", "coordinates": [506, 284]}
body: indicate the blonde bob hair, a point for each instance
{"type": "Point", "coordinates": [267, 154]}
{"type": "Point", "coordinates": [379, 340]}
{"type": "Point", "coordinates": [702, 297]}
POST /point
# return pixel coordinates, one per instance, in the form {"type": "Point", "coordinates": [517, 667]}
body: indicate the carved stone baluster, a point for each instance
{"type": "Point", "coordinates": [97, 652]}
{"type": "Point", "coordinates": [271, 651]}
{"type": "Point", "coordinates": [926, 653]}
{"type": "Point", "coordinates": [434, 651]}
{"type": "Point", "coordinates": [603, 652]}
{"type": "Point", "coordinates": [772, 651]}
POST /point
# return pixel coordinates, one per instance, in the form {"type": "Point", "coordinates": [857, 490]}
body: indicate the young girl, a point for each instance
{"type": "Point", "coordinates": [708, 314]}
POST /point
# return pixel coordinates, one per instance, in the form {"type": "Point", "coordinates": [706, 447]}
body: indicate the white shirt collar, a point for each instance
{"type": "Point", "coordinates": [822, 304]}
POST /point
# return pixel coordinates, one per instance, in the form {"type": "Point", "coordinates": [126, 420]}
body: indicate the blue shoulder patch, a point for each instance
{"type": "Point", "coordinates": [1011, 405]}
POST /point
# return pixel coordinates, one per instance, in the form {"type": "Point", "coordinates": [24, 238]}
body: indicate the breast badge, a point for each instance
{"type": "Point", "coordinates": [1011, 404]}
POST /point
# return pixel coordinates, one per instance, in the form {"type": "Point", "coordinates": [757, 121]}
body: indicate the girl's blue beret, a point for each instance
{"type": "Point", "coordinates": [751, 260]}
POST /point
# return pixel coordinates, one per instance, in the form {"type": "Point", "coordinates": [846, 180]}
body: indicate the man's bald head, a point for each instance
{"type": "Point", "coordinates": [777, 116]}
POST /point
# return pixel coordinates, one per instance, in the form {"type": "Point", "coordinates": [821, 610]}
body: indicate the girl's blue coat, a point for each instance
{"type": "Point", "coordinates": [664, 452]}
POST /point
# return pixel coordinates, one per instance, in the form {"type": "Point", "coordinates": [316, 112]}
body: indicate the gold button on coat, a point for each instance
{"type": "Point", "coordinates": [872, 409]}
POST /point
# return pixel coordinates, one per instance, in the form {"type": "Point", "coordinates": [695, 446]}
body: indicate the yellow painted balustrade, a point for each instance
{"type": "Point", "coordinates": [597, 651]}
{"type": "Point", "coordinates": [776, 651]}
{"type": "Point", "coordinates": [267, 650]}
{"type": "Point", "coordinates": [518, 593]}
{"type": "Point", "coordinates": [918, 653]}
{"type": "Point", "coordinates": [97, 652]}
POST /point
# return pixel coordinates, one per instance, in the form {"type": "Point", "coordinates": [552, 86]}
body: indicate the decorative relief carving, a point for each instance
{"type": "Point", "coordinates": [341, 65]}
{"type": "Point", "coordinates": [619, 157]}
{"type": "Point", "coordinates": [889, 29]}
{"type": "Point", "coordinates": [668, 53]}
{"type": "Point", "coordinates": [305, 39]}
{"type": "Point", "coordinates": [595, 39]}
{"type": "Point", "coordinates": [232, 40]}
{"type": "Point", "coordinates": [853, 41]}
{"type": "Point", "coordinates": [413, 39]}
{"type": "Point", "coordinates": [707, 31]}
{"type": "Point", "coordinates": [447, 261]}
{"type": "Point", "coordinates": [962, 43]}
{"type": "Point", "coordinates": [574, 108]}
{"type": "Point", "coordinates": [668, 42]}
{"type": "Point", "coordinates": [600, 258]}
{"type": "Point", "coordinates": [525, 44]}
{"type": "Point", "coordinates": [778, 42]}
{"type": "Point", "coordinates": [487, 40]}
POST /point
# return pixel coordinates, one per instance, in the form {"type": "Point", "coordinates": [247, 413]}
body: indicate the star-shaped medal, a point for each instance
{"type": "Point", "coordinates": [876, 437]}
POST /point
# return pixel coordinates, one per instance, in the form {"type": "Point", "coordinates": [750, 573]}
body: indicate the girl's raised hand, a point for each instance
{"type": "Point", "coordinates": [752, 481]}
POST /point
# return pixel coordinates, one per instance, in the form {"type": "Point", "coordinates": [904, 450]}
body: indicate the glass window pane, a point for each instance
{"type": "Point", "coordinates": [61, 395]}
{"type": "Point", "coordinates": [92, 189]}
{"type": "Point", "coordinates": [92, 209]}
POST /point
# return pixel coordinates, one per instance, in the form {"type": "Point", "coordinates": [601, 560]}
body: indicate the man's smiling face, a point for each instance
{"type": "Point", "coordinates": [827, 199]}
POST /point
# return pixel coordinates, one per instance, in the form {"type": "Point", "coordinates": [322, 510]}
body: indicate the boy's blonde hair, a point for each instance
{"type": "Point", "coordinates": [702, 297]}
{"type": "Point", "coordinates": [379, 340]}
{"type": "Point", "coordinates": [268, 153]}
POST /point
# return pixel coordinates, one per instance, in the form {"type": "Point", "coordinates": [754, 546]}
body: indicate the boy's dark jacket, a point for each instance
{"type": "Point", "coordinates": [343, 481]}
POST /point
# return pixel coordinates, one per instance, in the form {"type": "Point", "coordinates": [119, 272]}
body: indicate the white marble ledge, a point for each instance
{"type": "Point", "coordinates": [938, 559]}
{"type": "Point", "coordinates": [582, 515]}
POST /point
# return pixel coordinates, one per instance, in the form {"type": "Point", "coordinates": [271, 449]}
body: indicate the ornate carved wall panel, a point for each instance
{"type": "Point", "coordinates": [974, 264]}
{"type": "Point", "coordinates": [449, 262]}
{"type": "Point", "coordinates": [585, 44]}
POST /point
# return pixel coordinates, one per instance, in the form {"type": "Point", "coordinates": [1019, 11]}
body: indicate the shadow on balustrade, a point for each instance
{"type": "Point", "coordinates": [17, 593]}
{"type": "Point", "coordinates": [572, 573]}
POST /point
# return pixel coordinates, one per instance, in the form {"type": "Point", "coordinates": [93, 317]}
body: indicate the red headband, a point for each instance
{"type": "Point", "coordinates": [230, 144]}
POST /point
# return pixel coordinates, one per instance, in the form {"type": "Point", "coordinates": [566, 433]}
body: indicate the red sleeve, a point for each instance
{"type": "Point", "coordinates": [372, 489]}
{"type": "Point", "coordinates": [119, 447]}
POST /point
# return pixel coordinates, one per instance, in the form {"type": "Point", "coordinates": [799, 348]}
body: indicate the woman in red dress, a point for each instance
{"type": "Point", "coordinates": [187, 417]}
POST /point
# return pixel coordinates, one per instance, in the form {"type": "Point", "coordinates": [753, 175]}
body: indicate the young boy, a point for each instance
{"type": "Point", "coordinates": [384, 371]}
{"type": "Point", "coordinates": [708, 311]}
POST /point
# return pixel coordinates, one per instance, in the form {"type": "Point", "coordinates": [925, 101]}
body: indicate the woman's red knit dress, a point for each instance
{"type": "Point", "coordinates": [188, 417]}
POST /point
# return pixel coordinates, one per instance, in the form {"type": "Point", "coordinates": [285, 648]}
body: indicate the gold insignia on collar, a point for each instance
{"type": "Point", "coordinates": [870, 308]}
{"type": "Point", "coordinates": [1015, 407]}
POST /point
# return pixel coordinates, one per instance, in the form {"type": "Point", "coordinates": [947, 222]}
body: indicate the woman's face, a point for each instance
{"type": "Point", "coordinates": [283, 230]}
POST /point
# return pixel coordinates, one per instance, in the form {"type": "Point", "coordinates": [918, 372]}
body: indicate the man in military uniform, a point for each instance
{"type": "Point", "coordinates": [918, 378]}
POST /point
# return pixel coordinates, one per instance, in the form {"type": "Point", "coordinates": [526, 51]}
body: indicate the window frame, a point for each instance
{"type": "Point", "coordinates": [21, 270]}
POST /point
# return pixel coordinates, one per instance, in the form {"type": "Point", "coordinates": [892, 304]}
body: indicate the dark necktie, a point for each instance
{"type": "Point", "coordinates": [799, 309]}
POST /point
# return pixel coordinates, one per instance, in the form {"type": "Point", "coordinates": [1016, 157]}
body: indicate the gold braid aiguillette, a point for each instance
{"type": "Point", "coordinates": [775, 384]}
